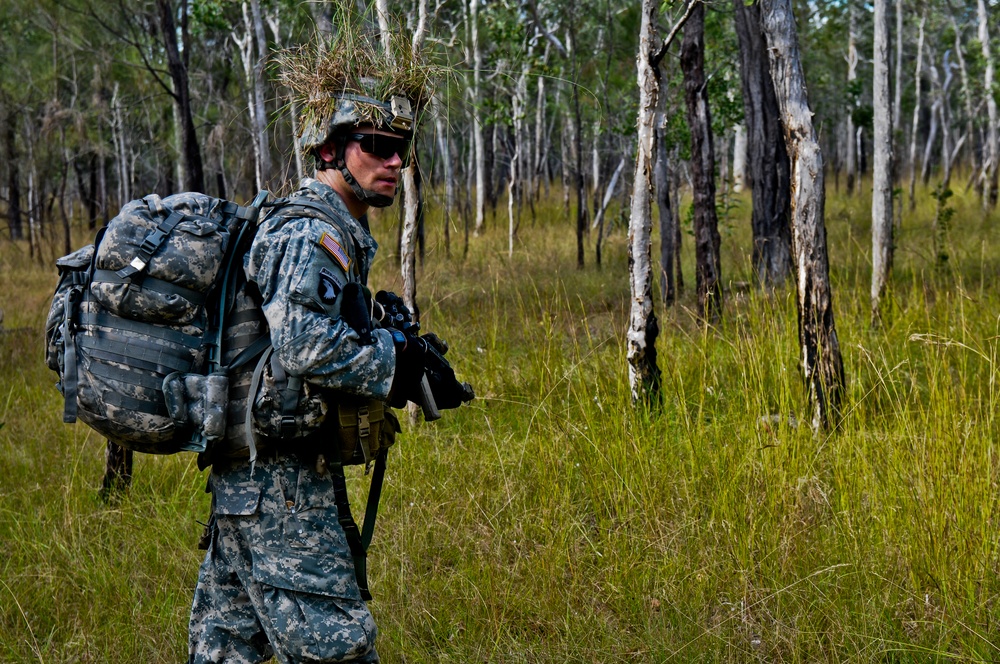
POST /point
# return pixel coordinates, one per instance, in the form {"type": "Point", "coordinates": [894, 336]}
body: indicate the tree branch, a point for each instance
{"type": "Point", "coordinates": [656, 58]}
{"type": "Point", "coordinates": [533, 5]}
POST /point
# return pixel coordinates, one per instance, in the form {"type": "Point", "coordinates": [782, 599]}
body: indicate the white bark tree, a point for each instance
{"type": "Point", "coordinates": [739, 157]}
{"type": "Point", "coordinates": [992, 141]}
{"type": "Point", "coordinates": [822, 364]}
{"type": "Point", "coordinates": [476, 125]}
{"type": "Point", "coordinates": [644, 374]}
{"type": "Point", "coordinates": [852, 76]}
{"type": "Point", "coordinates": [882, 219]}
{"type": "Point", "coordinates": [915, 126]}
{"type": "Point", "coordinates": [444, 149]}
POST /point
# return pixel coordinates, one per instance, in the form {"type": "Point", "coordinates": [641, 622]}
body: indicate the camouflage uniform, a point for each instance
{"type": "Point", "coordinates": [278, 577]}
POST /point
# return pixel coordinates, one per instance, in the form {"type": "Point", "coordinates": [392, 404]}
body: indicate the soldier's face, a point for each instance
{"type": "Point", "coordinates": [375, 158]}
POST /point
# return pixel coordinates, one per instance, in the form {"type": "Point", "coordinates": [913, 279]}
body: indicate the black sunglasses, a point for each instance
{"type": "Point", "coordinates": [383, 146]}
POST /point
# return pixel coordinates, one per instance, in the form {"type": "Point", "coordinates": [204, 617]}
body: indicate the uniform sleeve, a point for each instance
{"type": "Point", "coordinates": [300, 268]}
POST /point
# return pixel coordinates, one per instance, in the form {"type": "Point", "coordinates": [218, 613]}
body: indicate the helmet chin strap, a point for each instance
{"type": "Point", "coordinates": [366, 196]}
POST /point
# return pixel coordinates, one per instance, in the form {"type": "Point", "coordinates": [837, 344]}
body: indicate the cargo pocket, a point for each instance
{"type": "Point", "coordinates": [306, 572]}
{"type": "Point", "coordinates": [315, 628]}
{"type": "Point", "coordinates": [238, 500]}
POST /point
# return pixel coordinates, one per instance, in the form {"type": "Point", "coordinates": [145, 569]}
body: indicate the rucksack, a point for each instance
{"type": "Point", "coordinates": [135, 331]}
{"type": "Point", "coordinates": [135, 326]}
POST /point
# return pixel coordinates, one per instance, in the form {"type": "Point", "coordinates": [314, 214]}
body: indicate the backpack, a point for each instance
{"type": "Point", "coordinates": [135, 333]}
{"type": "Point", "coordinates": [135, 326]}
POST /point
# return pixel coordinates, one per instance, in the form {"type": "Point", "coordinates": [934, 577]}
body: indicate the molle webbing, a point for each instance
{"type": "Point", "coordinates": [152, 283]}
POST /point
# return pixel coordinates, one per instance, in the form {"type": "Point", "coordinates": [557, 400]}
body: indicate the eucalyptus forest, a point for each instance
{"type": "Point", "coordinates": [724, 276]}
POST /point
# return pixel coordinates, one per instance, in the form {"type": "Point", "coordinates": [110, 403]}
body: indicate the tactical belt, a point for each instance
{"type": "Point", "coordinates": [358, 541]}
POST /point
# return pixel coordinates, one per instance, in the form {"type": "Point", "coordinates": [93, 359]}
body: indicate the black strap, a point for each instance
{"type": "Point", "coordinates": [251, 352]}
{"type": "Point", "coordinates": [110, 325]}
{"type": "Point", "coordinates": [70, 380]}
{"type": "Point", "coordinates": [358, 541]}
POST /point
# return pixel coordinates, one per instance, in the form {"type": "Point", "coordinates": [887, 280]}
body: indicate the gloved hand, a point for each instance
{"type": "Point", "coordinates": [355, 309]}
{"type": "Point", "coordinates": [409, 370]}
{"type": "Point", "coordinates": [395, 314]}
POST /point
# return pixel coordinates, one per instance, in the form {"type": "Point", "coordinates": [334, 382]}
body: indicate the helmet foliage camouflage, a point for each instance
{"type": "Point", "coordinates": [357, 77]}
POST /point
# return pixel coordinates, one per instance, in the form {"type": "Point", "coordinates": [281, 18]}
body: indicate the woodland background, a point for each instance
{"type": "Point", "coordinates": [556, 518]}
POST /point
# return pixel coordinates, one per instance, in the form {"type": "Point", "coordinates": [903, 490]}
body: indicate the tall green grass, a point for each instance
{"type": "Point", "coordinates": [553, 521]}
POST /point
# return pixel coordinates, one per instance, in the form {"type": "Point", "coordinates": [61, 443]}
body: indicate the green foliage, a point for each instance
{"type": "Point", "coordinates": [550, 520]}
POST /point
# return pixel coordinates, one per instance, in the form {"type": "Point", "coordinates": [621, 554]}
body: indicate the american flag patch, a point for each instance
{"type": "Point", "coordinates": [337, 251]}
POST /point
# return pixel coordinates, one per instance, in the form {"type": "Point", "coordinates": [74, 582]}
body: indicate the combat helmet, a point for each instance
{"type": "Point", "coordinates": [345, 112]}
{"type": "Point", "coordinates": [357, 78]}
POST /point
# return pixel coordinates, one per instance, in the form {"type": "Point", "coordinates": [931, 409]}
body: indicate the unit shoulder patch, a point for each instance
{"type": "Point", "coordinates": [330, 285]}
{"type": "Point", "coordinates": [334, 249]}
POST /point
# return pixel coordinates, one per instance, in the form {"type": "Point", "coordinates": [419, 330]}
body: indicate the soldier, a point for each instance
{"type": "Point", "coordinates": [279, 575]}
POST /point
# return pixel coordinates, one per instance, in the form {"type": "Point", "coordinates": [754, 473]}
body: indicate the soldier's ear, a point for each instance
{"type": "Point", "coordinates": [328, 152]}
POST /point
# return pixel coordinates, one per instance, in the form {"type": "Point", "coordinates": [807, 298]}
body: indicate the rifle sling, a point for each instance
{"type": "Point", "coordinates": [358, 541]}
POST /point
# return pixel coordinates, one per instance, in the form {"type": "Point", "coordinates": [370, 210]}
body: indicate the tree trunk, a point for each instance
{"type": "Point", "coordinates": [966, 97]}
{"type": "Point", "coordinates": [768, 158]}
{"type": "Point", "coordinates": [121, 156]}
{"type": "Point", "coordinates": [706, 230]}
{"type": "Point", "coordinates": [259, 96]}
{"type": "Point", "coordinates": [852, 75]}
{"type": "Point", "coordinates": [476, 121]}
{"type": "Point", "coordinates": [13, 176]}
{"type": "Point", "coordinates": [577, 128]}
{"type": "Point", "coordinates": [739, 158]}
{"type": "Point", "coordinates": [602, 208]}
{"type": "Point", "coordinates": [822, 364]}
{"type": "Point", "coordinates": [541, 144]}
{"type": "Point", "coordinates": [644, 374]}
{"type": "Point", "coordinates": [661, 175]}
{"type": "Point", "coordinates": [444, 148]}
{"type": "Point", "coordinates": [914, 129]}
{"type": "Point", "coordinates": [882, 220]}
{"type": "Point", "coordinates": [182, 94]}
{"type": "Point", "coordinates": [992, 141]}
{"type": "Point", "coordinates": [897, 122]}
{"type": "Point", "coordinates": [897, 101]}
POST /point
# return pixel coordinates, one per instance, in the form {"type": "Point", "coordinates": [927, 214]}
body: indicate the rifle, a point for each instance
{"type": "Point", "coordinates": [437, 386]}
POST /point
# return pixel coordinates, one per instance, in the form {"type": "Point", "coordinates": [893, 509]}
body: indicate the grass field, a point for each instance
{"type": "Point", "coordinates": [550, 520]}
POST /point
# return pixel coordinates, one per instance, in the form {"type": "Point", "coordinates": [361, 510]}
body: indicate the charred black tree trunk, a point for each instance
{"type": "Point", "coordinates": [117, 472]}
{"type": "Point", "coordinates": [182, 95]}
{"type": "Point", "coordinates": [669, 253]}
{"type": "Point", "coordinates": [706, 224]}
{"type": "Point", "coordinates": [14, 223]}
{"type": "Point", "coordinates": [766, 155]}
{"type": "Point", "coordinates": [822, 363]}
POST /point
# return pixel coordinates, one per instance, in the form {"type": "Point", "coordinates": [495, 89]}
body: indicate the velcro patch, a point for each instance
{"type": "Point", "coordinates": [334, 249]}
{"type": "Point", "coordinates": [329, 285]}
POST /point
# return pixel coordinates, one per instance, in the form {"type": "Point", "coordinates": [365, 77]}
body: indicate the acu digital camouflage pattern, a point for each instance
{"type": "Point", "coordinates": [128, 334]}
{"type": "Point", "coordinates": [189, 258]}
{"type": "Point", "coordinates": [299, 280]}
{"type": "Point", "coordinates": [316, 129]}
{"type": "Point", "coordinates": [278, 578]}
{"type": "Point", "coordinates": [74, 271]}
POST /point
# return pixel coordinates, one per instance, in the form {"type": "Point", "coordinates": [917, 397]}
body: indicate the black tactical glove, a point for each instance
{"type": "Point", "coordinates": [395, 314]}
{"type": "Point", "coordinates": [409, 371]}
{"type": "Point", "coordinates": [355, 310]}
{"type": "Point", "coordinates": [417, 357]}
